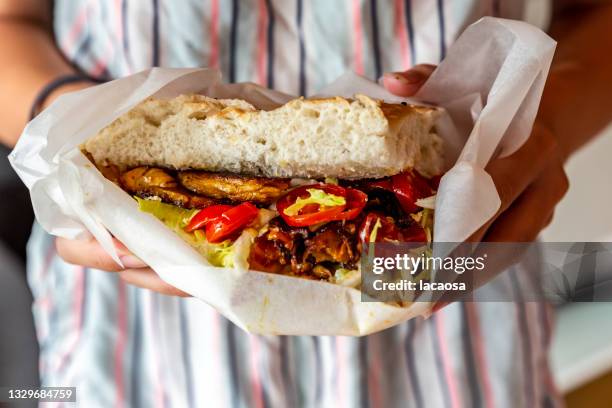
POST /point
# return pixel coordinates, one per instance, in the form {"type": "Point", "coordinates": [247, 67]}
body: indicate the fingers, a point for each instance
{"type": "Point", "coordinates": [533, 210]}
{"type": "Point", "coordinates": [407, 83]}
{"type": "Point", "coordinates": [512, 175]}
{"type": "Point", "coordinates": [146, 278]}
{"type": "Point", "coordinates": [522, 222]}
{"type": "Point", "coordinates": [89, 253]}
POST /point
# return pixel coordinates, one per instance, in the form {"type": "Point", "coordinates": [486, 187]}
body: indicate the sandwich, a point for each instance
{"type": "Point", "coordinates": [295, 190]}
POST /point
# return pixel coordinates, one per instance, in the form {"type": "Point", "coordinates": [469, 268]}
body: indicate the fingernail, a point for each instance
{"type": "Point", "coordinates": [131, 261]}
{"type": "Point", "coordinates": [411, 77]}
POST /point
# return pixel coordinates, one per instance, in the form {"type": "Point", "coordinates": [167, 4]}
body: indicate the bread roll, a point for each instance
{"type": "Point", "coordinates": [313, 138]}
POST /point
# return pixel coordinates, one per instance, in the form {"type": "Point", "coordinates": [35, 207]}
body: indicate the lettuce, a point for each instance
{"type": "Point", "coordinates": [221, 254]}
{"type": "Point", "coordinates": [317, 196]}
{"type": "Point", "coordinates": [226, 254]}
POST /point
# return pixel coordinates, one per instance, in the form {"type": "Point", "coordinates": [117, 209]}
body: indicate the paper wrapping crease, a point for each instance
{"type": "Point", "coordinates": [490, 84]}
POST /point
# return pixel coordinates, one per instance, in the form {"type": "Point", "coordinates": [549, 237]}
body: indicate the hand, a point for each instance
{"type": "Point", "coordinates": [90, 254]}
{"type": "Point", "coordinates": [530, 182]}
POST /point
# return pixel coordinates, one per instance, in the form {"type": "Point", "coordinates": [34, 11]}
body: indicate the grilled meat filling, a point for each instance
{"type": "Point", "coordinates": [258, 190]}
{"type": "Point", "coordinates": [305, 253]}
{"type": "Point", "coordinates": [155, 182]}
{"type": "Point", "coordinates": [335, 243]}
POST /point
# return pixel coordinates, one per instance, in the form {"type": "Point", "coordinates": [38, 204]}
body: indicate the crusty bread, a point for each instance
{"type": "Point", "coordinates": [335, 137]}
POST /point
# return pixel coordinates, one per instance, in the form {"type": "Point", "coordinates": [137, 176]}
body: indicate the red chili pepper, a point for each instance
{"type": "Point", "coordinates": [312, 214]}
{"type": "Point", "coordinates": [365, 230]}
{"type": "Point", "coordinates": [206, 215]}
{"type": "Point", "coordinates": [230, 221]}
{"type": "Point", "coordinates": [355, 201]}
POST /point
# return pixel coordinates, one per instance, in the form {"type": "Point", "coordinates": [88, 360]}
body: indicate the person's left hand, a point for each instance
{"type": "Point", "coordinates": [530, 182]}
{"type": "Point", "coordinates": [89, 253]}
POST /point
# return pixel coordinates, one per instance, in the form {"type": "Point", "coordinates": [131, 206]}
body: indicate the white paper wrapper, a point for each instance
{"type": "Point", "coordinates": [490, 83]}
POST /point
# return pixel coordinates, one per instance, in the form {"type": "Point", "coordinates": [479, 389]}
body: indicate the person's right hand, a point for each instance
{"type": "Point", "coordinates": [89, 253]}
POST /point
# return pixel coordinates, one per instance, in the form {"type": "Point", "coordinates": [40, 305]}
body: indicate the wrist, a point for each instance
{"type": "Point", "coordinates": [66, 88]}
{"type": "Point", "coordinates": [556, 106]}
{"type": "Point", "coordinates": [58, 86]}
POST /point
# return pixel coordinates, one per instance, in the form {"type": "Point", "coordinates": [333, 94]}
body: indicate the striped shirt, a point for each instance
{"type": "Point", "coordinates": [124, 346]}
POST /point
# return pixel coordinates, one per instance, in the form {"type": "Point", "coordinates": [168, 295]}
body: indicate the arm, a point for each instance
{"type": "Point", "coordinates": [575, 104]}
{"type": "Point", "coordinates": [29, 59]}
{"type": "Point", "coordinates": [574, 109]}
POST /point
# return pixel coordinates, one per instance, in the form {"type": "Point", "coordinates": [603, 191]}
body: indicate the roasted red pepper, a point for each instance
{"type": "Point", "coordinates": [206, 215]}
{"type": "Point", "coordinates": [222, 221]}
{"type": "Point", "coordinates": [230, 222]}
{"type": "Point", "coordinates": [408, 187]}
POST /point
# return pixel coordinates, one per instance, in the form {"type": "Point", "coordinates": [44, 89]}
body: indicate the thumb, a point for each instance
{"type": "Point", "coordinates": [407, 83]}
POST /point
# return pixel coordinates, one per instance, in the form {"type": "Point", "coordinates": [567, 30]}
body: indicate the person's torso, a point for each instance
{"type": "Point", "coordinates": [295, 46]}
{"type": "Point", "coordinates": [125, 346]}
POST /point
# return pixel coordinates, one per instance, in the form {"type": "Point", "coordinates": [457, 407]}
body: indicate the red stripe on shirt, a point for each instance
{"type": "Point", "coordinates": [473, 322]}
{"type": "Point", "coordinates": [401, 33]}
{"type": "Point", "coordinates": [261, 51]}
{"type": "Point", "coordinates": [374, 377]}
{"type": "Point", "coordinates": [77, 312]}
{"type": "Point", "coordinates": [100, 64]}
{"type": "Point", "coordinates": [446, 362]}
{"type": "Point", "coordinates": [76, 29]}
{"type": "Point", "coordinates": [536, 334]}
{"type": "Point", "coordinates": [121, 34]}
{"type": "Point", "coordinates": [45, 301]}
{"type": "Point", "coordinates": [120, 343]}
{"type": "Point", "coordinates": [51, 252]}
{"type": "Point", "coordinates": [118, 21]}
{"type": "Point", "coordinates": [153, 318]}
{"type": "Point", "coordinates": [256, 390]}
{"type": "Point", "coordinates": [214, 34]}
{"type": "Point", "coordinates": [550, 382]}
{"type": "Point", "coordinates": [357, 37]}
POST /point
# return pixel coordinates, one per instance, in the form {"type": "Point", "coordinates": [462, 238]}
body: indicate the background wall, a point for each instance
{"type": "Point", "coordinates": [582, 350]}
{"type": "Point", "coordinates": [585, 214]}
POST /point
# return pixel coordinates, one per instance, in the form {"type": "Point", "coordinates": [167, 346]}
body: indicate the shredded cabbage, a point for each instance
{"type": "Point", "coordinates": [427, 202]}
{"type": "Point", "coordinates": [347, 277]}
{"type": "Point", "coordinates": [221, 254]}
{"type": "Point", "coordinates": [374, 232]}
{"type": "Point", "coordinates": [264, 216]}
{"type": "Point", "coordinates": [317, 196]}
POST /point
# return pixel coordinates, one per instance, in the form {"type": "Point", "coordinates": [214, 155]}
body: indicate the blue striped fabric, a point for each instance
{"type": "Point", "coordinates": [125, 346]}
